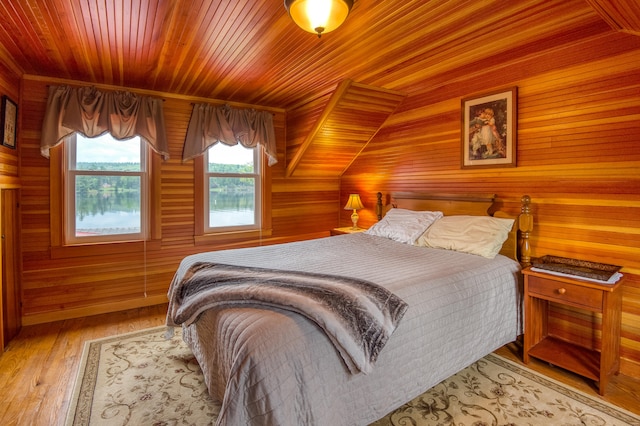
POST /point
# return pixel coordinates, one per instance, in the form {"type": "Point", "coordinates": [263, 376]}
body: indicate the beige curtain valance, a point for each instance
{"type": "Point", "coordinates": [91, 112]}
{"type": "Point", "coordinates": [211, 124]}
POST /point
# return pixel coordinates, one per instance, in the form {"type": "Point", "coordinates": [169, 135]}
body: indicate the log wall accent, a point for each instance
{"type": "Point", "coordinates": [88, 283]}
{"type": "Point", "coordinates": [578, 157]}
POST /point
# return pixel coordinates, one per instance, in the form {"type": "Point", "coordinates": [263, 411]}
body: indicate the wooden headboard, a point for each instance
{"type": "Point", "coordinates": [516, 246]}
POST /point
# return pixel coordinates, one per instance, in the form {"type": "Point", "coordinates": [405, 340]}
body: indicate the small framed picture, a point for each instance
{"type": "Point", "coordinates": [489, 130]}
{"type": "Point", "coordinates": [9, 122]}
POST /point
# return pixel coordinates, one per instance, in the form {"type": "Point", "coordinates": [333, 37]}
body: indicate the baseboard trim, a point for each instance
{"type": "Point", "coordinates": [630, 368]}
{"type": "Point", "coordinates": [86, 311]}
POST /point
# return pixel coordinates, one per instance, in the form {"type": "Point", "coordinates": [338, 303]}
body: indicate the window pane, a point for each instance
{"type": "Point", "coordinates": [230, 159]}
{"type": "Point", "coordinates": [107, 205]}
{"type": "Point", "coordinates": [106, 153]}
{"type": "Point", "coordinates": [231, 201]}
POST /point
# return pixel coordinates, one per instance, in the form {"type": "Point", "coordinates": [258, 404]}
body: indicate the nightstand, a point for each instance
{"type": "Point", "coordinates": [346, 230]}
{"type": "Point", "coordinates": [539, 290]}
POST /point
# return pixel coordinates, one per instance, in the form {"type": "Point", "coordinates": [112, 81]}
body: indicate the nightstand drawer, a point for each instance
{"type": "Point", "coordinates": [569, 294]}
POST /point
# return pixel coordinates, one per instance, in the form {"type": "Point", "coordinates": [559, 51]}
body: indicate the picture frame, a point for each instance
{"type": "Point", "coordinates": [489, 126]}
{"type": "Point", "coordinates": [9, 120]}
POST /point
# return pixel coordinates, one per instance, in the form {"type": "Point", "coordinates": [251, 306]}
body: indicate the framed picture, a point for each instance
{"type": "Point", "coordinates": [9, 122]}
{"type": "Point", "coordinates": [489, 130]}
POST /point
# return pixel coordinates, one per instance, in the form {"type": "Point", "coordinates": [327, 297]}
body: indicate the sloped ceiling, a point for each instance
{"type": "Point", "coordinates": [621, 15]}
{"type": "Point", "coordinates": [352, 117]}
{"type": "Point", "coordinates": [249, 51]}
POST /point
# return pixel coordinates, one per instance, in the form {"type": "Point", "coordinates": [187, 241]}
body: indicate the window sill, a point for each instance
{"type": "Point", "coordinates": [235, 236]}
{"type": "Point", "coordinates": [101, 249]}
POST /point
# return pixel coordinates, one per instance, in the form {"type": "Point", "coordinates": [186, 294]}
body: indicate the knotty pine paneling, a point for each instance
{"type": "Point", "coordinates": [577, 153]}
{"type": "Point", "coordinates": [56, 288]}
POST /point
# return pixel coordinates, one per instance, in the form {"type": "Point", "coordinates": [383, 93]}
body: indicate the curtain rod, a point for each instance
{"type": "Point", "coordinates": [108, 90]}
{"type": "Point", "coordinates": [208, 103]}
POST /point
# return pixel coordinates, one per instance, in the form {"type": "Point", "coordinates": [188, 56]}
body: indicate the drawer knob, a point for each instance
{"type": "Point", "coordinates": [562, 291]}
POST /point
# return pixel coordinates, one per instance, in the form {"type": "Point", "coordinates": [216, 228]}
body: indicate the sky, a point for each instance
{"type": "Point", "coordinates": [104, 149]}
{"type": "Point", "coordinates": [224, 154]}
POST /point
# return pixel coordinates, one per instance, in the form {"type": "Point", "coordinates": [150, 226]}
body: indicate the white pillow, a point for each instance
{"type": "Point", "coordinates": [481, 235]}
{"type": "Point", "coordinates": [403, 225]}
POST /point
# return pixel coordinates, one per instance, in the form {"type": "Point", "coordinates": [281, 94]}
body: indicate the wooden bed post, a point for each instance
{"type": "Point", "coordinates": [379, 205]}
{"type": "Point", "coordinates": [525, 226]}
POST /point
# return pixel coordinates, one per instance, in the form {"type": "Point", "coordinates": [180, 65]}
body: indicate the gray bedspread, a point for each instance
{"type": "Point", "coordinates": [277, 367]}
{"type": "Point", "coordinates": [358, 316]}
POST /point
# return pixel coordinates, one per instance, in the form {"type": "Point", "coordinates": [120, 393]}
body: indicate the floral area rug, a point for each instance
{"type": "Point", "coordinates": [142, 378]}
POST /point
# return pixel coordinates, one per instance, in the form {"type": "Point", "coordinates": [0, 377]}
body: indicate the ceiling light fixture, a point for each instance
{"type": "Point", "coordinates": [318, 16]}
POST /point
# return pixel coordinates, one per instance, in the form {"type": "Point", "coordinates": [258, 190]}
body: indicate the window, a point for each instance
{"type": "Point", "coordinates": [106, 185]}
{"type": "Point", "coordinates": [232, 188]}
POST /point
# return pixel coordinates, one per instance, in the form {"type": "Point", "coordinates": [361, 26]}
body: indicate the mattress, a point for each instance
{"type": "Point", "coordinates": [275, 367]}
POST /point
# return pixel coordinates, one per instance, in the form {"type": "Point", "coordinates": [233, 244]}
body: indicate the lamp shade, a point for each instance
{"type": "Point", "coordinates": [354, 203]}
{"type": "Point", "coordinates": [318, 16]}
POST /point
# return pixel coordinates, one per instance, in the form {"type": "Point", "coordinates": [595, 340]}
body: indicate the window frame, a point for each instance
{"type": "Point", "coordinates": [257, 178]}
{"type": "Point", "coordinates": [204, 234]}
{"type": "Point", "coordinates": [70, 212]}
{"type": "Point", "coordinates": [62, 248]}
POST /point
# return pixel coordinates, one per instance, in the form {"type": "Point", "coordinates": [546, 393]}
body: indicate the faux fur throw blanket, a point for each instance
{"type": "Point", "coordinates": [358, 316]}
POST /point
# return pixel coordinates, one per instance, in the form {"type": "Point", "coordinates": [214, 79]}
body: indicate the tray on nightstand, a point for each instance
{"type": "Point", "coordinates": [576, 267]}
{"type": "Point", "coordinates": [346, 230]}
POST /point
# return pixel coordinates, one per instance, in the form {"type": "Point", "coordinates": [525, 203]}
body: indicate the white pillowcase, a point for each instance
{"type": "Point", "coordinates": [403, 225]}
{"type": "Point", "coordinates": [481, 235]}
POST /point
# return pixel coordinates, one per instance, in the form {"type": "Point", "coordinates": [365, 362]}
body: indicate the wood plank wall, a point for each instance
{"type": "Point", "coordinates": [90, 284]}
{"type": "Point", "coordinates": [578, 158]}
{"type": "Point", "coordinates": [9, 161]}
{"type": "Point", "coordinates": [9, 171]}
{"type": "Point", "coordinates": [577, 151]}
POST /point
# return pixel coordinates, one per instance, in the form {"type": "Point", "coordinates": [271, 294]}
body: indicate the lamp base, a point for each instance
{"type": "Point", "coordinates": [354, 219]}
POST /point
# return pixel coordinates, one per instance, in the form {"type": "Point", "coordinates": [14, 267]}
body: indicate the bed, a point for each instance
{"type": "Point", "coordinates": [270, 365]}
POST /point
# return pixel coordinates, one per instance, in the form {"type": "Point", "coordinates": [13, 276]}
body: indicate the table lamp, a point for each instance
{"type": "Point", "coordinates": [354, 204]}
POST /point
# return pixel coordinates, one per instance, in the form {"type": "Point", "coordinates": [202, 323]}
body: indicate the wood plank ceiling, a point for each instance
{"type": "Point", "coordinates": [352, 117]}
{"type": "Point", "coordinates": [621, 15]}
{"type": "Point", "coordinates": [250, 51]}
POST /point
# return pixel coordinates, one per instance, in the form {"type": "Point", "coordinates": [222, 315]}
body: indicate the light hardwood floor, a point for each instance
{"type": "Point", "coordinates": [38, 368]}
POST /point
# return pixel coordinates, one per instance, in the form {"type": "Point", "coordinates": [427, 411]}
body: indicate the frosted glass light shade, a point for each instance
{"type": "Point", "coordinates": [318, 16]}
